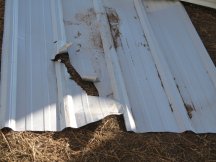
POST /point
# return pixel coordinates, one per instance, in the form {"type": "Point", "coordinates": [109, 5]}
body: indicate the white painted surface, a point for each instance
{"type": "Point", "coordinates": [187, 59]}
{"type": "Point", "coordinates": [37, 93]}
{"type": "Point", "coordinates": [159, 66]}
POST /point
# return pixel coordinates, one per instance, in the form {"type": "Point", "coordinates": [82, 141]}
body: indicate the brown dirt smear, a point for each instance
{"type": "Point", "coordinates": [86, 17]}
{"type": "Point", "coordinates": [108, 140]}
{"type": "Point", "coordinates": [89, 18]}
{"type": "Point", "coordinates": [113, 19]}
{"type": "Point", "coordinates": [97, 40]}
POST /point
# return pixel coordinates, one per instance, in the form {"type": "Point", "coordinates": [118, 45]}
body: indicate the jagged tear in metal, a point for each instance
{"type": "Point", "coordinates": [144, 57]}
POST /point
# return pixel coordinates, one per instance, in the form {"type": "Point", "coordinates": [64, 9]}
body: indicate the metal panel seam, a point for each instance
{"type": "Point", "coordinates": [118, 85]}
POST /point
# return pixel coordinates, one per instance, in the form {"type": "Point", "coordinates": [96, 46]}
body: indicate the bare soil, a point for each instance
{"type": "Point", "coordinates": [108, 140]}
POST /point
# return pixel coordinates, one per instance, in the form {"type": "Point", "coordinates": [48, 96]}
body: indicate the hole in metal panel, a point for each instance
{"type": "Point", "coordinates": [87, 86]}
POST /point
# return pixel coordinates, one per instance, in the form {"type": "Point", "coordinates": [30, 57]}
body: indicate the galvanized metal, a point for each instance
{"type": "Point", "coordinates": [144, 57]}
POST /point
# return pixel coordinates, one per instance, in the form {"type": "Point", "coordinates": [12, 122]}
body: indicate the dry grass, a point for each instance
{"type": "Point", "coordinates": [108, 140]}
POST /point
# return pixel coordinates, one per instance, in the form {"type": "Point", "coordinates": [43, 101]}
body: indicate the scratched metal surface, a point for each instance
{"type": "Point", "coordinates": [144, 57]}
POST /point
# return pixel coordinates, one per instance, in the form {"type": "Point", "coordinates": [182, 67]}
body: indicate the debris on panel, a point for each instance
{"type": "Point", "coordinates": [113, 19]}
{"type": "Point", "coordinates": [89, 19]}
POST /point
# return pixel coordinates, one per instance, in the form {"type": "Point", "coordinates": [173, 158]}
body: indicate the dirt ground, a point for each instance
{"type": "Point", "coordinates": [108, 140]}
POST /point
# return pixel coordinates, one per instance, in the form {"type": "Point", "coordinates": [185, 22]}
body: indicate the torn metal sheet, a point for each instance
{"type": "Point", "coordinates": [206, 3]}
{"type": "Point", "coordinates": [144, 57]}
{"type": "Point", "coordinates": [37, 93]}
{"type": "Point", "coordinates": [141, 76]}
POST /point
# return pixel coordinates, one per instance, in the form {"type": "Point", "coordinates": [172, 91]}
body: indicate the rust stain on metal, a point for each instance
{"type": "Point", "coordinates": [113, 19]}
{"type": "Point", "coordinates": [96, 40]}
{"type": "Point", "coordinates": [188, 107]}
{"type": "Point", "coordinates": [189, 110]}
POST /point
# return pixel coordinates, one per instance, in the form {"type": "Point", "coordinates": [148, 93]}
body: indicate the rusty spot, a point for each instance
{"type": "Point", "coordinates": [113, 19]}
{"type": "Point", "coordinates": [189, 110]}
{"type": "Point", "coordinates": [97, 40]}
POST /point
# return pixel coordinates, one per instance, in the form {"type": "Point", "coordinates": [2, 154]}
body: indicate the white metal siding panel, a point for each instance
{"type": "Point", "coordinates": [36, 91]}
{"type": "Point", "coordinates": [142, 82]}
{"type": "Point", "coordinates": [158, 69]}
{"type": "Point", "coordinates": [25, 65]}
{"type": "Point", "coordinates": [185, 60]}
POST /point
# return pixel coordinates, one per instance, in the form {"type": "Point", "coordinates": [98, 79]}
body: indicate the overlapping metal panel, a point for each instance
{"type": "Point", "coordinates": [144, 57]}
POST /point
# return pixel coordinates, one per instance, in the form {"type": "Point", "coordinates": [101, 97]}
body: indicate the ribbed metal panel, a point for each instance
{"type": "Point", "coordinates": [36, 92]}
{"type": "Point", "coordinates": [145, 58]}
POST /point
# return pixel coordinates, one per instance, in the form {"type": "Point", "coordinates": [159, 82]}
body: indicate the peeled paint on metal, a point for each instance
{"type": "Point", "coordinates": [144, 57]}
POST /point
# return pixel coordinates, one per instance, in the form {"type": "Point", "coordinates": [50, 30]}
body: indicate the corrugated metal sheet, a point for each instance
{"type": "Point", "coordinates": [144, 57]}
{"type": "Point", "coordinates": [37, 93]}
